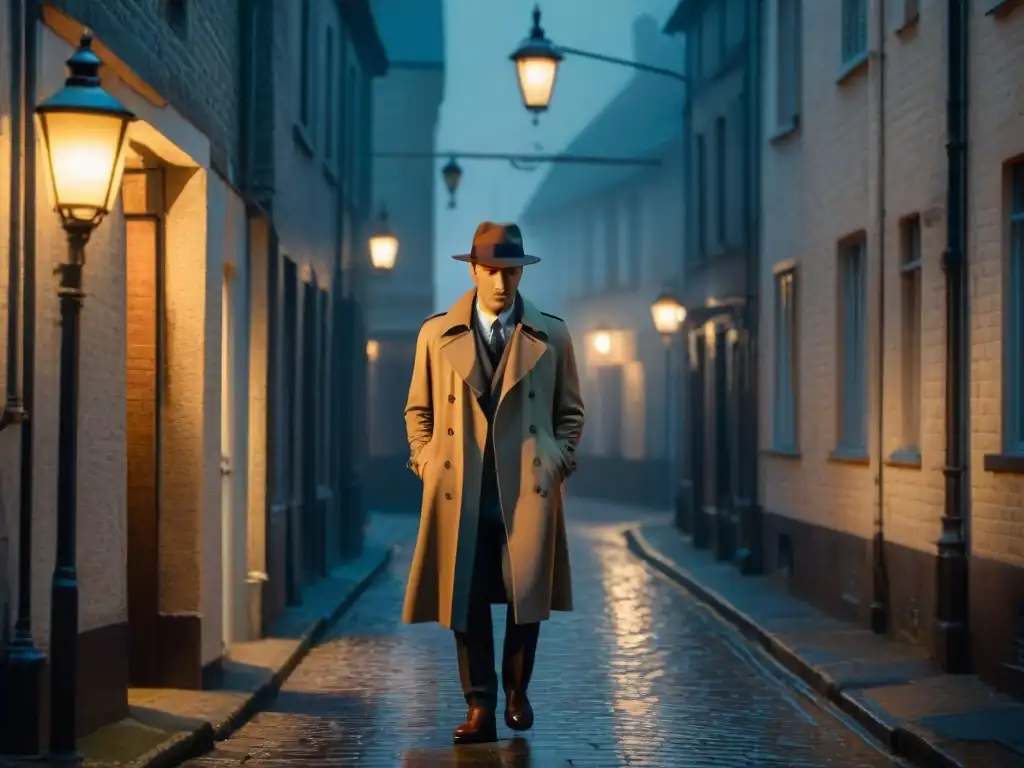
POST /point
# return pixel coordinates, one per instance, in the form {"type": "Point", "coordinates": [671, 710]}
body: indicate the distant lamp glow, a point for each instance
{"type": "Point", "coordinates": [85, 132]}
{"type": "Point", "coordinates": [452, 175]}
{"type": "Point", "coordinates": [602, 342]}
{"type": "Point", "coordinates": [372, 349]}
{"type": "Point", "coordinates": [383, 245]}
{"type": "Point", "coordinates": [668, 314]}
{"type": "Point", "coordinates": [536, 61]}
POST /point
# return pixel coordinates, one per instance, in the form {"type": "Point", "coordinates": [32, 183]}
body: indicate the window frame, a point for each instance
{"type": "Point", "coordinates": [852, 348]}
{"type": "Point", "coordinates": [788, 62]}
{"type": "Point", "coordinates": [785, 431]}
{"type": "Point", "coordinates": [1013, 316]}
{"type": "Point", "coordinates": [911, 344]}
{"type": "Point", "coordinates": [854, 35]}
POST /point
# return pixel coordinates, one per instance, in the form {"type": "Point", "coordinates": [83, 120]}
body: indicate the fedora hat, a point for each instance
{"type": "Point", "coordinates": [497, 245]}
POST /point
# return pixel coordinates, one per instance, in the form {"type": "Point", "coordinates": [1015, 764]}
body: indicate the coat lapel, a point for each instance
{"type": "Point", "coordinates": [527, 347]}
{"type": "Point", "coordinates": [458, 345]}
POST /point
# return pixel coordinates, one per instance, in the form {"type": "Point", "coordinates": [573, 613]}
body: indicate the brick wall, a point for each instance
{"type": "Point", "coordinates": [189, 58]}
{"type": "Point", "coordinates": [820, 184]}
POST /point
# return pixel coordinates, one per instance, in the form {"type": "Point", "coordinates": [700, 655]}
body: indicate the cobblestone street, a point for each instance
{"type": "Point", "coordinates": [639, 675]}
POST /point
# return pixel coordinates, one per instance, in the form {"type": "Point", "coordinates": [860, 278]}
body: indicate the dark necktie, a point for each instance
{"type": "Point", "coordinates": [496, 342]}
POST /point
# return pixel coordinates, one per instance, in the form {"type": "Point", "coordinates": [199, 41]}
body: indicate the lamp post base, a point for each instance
{"type": "Point", "coordinates": [21, 700]}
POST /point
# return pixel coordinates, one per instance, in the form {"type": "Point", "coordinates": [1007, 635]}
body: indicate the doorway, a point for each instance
{"type": "Point", "coordinates": [145, 333]}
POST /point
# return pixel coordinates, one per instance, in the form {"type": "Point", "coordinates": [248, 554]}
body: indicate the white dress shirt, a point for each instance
{"type": "Point", "coordinates": [485, 320]}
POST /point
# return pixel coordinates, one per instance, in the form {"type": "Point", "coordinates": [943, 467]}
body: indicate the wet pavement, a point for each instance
{"type": "Point", "coordinates": [640, 674]}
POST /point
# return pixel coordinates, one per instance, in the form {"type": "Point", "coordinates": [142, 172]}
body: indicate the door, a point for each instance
{"type": "Point", "coordinates": [227, 454]}
{"type": "Point", "coordinates": [143, 386]}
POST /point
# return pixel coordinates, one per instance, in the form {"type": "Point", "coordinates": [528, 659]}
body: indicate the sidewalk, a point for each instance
{"type": "Point", "coordinates": [890, 688]}
{"type": "Point", "coordinates": [168, 726]}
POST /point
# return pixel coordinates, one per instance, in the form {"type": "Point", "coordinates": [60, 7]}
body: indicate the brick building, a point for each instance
{"type": "Point", "coordinates": [218, 469]}
{"type": "Point", "coordinates": [716, 498]}
{"type": "Point", "coordinates": [858, 212]}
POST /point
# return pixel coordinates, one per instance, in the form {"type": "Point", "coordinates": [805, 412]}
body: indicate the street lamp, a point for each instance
{"type": "Point", "coordinates": [452, 175]}
{"type": "Point", "coordinates": [669, 315]}
{"type": "Point", "coordinates": [537, 62]}
{"type": "Point", "coordinates": [602, 342]}
{"type": "Point", "coordinates": [85, 132]}
{"type": "Point", "coordinates": [383, 244]}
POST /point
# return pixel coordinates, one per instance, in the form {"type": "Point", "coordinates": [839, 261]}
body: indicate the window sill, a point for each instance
{"type": "Point", "coordinates": [849, 456]}
{"type": "Point", "coordinates": [782, 453]}
{"type": "Point", "coordinates": [301, 137]}
{"type": "Point", "coordinates": [1004, 463]}
{"type": "Point", "coordinates": [852, 67]}
{"type": "Point", "coordinates": [784, 131]}
{"type": "Point", "coordinates": [1000, 8]}
{"type": "Point", "coordinates": [908, 458]}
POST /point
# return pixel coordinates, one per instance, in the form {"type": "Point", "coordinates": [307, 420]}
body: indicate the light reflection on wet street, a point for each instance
{"type": "Point", "coordinates": [640, 674]}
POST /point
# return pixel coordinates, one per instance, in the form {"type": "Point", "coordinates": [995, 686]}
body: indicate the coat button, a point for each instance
{"type": "Point", "coordinates": [539, 490]}
{"type": "Point", "coordinates": [451, 398]}
{"type": "Point", "coordinates": [533, 430]}
{"type": "Point", "coordinates": [532, 394]}
{"type": "Point", "coordinates": [447, 465]}
{"type": "Point", "coordinates": [536, 462]}
{"type": "Point", "coordinates": [451, 431]}
{"type": "Point", "coordinates": [448, 496]}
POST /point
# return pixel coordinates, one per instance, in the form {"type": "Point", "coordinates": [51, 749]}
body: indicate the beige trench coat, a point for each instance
{"type": "Point", "coordinates": [537, 426]}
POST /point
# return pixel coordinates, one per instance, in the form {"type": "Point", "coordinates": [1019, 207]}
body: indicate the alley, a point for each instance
{"type": "Point", "coordinates": [639, 675]}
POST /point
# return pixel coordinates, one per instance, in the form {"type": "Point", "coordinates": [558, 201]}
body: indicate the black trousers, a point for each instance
{"type": "Point", "coordinates": [475, 646]}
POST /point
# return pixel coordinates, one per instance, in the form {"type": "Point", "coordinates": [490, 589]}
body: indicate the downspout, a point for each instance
{"type": "Point", "coordinates": [879, 574]}
{"type": "Point", "coordinates": [14, 407]}
{"type": "Point", "coordinates": [951, 625]}
{"type": "Point", "coordinates": [24, 660]}
{"type": "Point", "coordinates": [750, 557]}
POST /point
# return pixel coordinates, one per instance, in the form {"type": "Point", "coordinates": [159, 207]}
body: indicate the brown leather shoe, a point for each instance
{"type": "Point", "coordinates": [479, 728]}
{"type": "Point", "coordinates": [518, 712]}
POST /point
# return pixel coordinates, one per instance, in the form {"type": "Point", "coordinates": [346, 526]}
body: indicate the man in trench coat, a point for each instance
{"type": "Point", "coordinates": [493, 418]}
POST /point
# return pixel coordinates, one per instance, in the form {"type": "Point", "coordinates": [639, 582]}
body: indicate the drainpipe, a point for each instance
{"type": "Point", "coordinates": [14, 409]}
{"type": "Point", "coordinates": [24, 660]}
{"type": "Point", "coordinates": [951, 632]}
{"type": "Point", "coordinates": [879, 573]}
{"type": "Point", "coordinates": [749, 557]}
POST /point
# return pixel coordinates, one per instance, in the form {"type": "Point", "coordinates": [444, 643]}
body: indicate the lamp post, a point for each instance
{"type": "Point", "coordinates": [383, 244]}
{"type": "Point", "coordinates": [85, 132]}
{"type": "Point", "coordinates": [668, 316]}
{"type": "Point", "coordinates": [537, 60]}
{"type": "Point", "coordinates": [452, 175]}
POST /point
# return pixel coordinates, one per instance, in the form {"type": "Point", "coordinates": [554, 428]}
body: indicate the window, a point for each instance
{"type": "Point", "coordinates": [1013, 392]}
{"type": "Point", "coordinates": [784, 421]}
{"type": "Point", "coordinates": [721, 180]}
{"type": "Point", "coordinates": [353, 114]}
{"type": "Point", "coordinates": [910, 332]}
{"type": "Point", "coordinates": [330, 97]}
{"type": "Point", "coordinates": [852, 348]}
{"type": "Point", "coordinates": [855, 30]}
{"type": "Point", "coordinates": [305, 86]}
{"type": "Point", "coordinates": [700, 194]}
{"type": "Point", "coordinates": [788, 43]}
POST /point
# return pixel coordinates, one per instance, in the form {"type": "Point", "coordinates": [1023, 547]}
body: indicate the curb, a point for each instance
{"type": "Point", "coordinates": [902, 740]}
{"type": "Point", "coordinates": [189, 745]}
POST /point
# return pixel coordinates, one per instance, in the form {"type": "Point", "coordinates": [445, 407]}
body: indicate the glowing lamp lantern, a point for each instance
{"type": "Point", "coordinates": [383, 245]}
{"type": "Point", "coordinates": [452, 175]}
{"type": "Point", "coordinates": [536, 61]}
{"type": "Point", "coordinates": [85, 132]}
{"type": "Point", "coordinates": [602, 342]}
{"type": "Point", "coordinates": [668, 314]}
{"type": "Point", "coordinates": [372, 349]}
